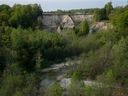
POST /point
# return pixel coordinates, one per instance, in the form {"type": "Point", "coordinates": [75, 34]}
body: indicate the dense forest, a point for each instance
{"type": "Point", "coordinates": [26, 49]}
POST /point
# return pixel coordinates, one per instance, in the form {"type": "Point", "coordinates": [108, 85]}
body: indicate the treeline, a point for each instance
{"type": "Point", "coordinates": [76, 11]}
{"type": "Point", "coordinates": [101, 13]}
{"type": "Point", "coordinates": [20, 15]}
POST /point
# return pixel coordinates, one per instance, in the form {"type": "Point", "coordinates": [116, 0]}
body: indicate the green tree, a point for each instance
{"type": "Point", "coordinates": [25, 15]}
{"type": "Point", "coordinates": [84, 28]}
{"type": "Point", "coordinates": [120, 62]}
{"type": "Point", "coordinates": [119, 18]}
{"type": "Point", "coordinates": [5, 13]}
{"type": "Point", "coordinates": [100, 14]}
{"type": "Point", "coordinates": [97, 15]}
{"type": "Point", "coordinates": [108, 7]}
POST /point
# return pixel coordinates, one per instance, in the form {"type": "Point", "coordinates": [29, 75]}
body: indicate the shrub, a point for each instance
{"type": "Point", "coordinates": [54, 90]}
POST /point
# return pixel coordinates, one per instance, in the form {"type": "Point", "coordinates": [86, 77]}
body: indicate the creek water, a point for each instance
{"type": "Point", "coordinates": [58, 73]}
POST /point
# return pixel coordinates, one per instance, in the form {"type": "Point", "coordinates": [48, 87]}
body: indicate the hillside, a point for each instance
{"type": "Point", "coordinates": [62, 54]}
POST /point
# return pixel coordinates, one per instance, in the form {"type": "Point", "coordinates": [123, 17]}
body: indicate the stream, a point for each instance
{"type": "Point", "coordinates": [58, 72]}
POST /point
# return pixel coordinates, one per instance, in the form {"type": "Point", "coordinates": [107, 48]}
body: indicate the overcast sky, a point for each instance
{"type": "Point", "coordinates": [49, 5]}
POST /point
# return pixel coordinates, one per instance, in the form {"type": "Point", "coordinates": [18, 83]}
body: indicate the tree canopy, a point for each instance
{"type": "Point", "coordinates": [20, 15]}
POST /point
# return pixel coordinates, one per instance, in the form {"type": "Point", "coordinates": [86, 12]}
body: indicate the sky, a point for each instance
{"type": "Point", "coordinates": [50, 5]}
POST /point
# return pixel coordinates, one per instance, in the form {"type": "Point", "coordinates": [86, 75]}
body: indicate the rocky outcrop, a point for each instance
{"type": "Point", "coordinates": [50, 22]}
{"type": "Point", "coordinates": [67, 22]}
{"type": "Point", "coordinates": [54, 21]}
{"type": "Point", "coordinates": [79, 18]}
{"type": "Point", "coordinates": [57, 22]}
{"type": "Point", "coordinates": [103, 25]}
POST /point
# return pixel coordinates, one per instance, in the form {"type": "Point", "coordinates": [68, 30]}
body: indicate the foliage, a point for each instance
{"type": "Point", "coordinates": [76, 88]}
{"type": "Point", "coordinates": [20, 15]}
{"type": "Point", "coordinates": [18, 85]}
{"type": "Point", "coordinates": [25, 15]}
{"type": "Point", "coordinates": [33, 46]}
{"type": "Point", "coordinates": [54, 90]}
{"type": "Point", "coordinates": [76, 75]}
{"type": "Point", "coordinates": [100, 14]}
{"type": "Point", "coordinates": [120, 62]}
{"type": "Point", "coordinates": [119, 18]}
{"type": "Point", "coordinates": [83, 29]}
{"type": "Point", "coordinates": [5, 13]}
{"type": "Point", "coordinates": [108, 7]}
{"type": "Point", "coordinates": [103, 14]}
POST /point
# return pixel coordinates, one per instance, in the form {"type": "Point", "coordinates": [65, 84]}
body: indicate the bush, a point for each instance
{"type": "Point", "coordinates": [84, 28]}
{"type": "Point", "coordinates": [76, 88]}
{"type": "Point", "coordinates": [19, 85]}
{"type": "Point", "coordinates": [54, 90]}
